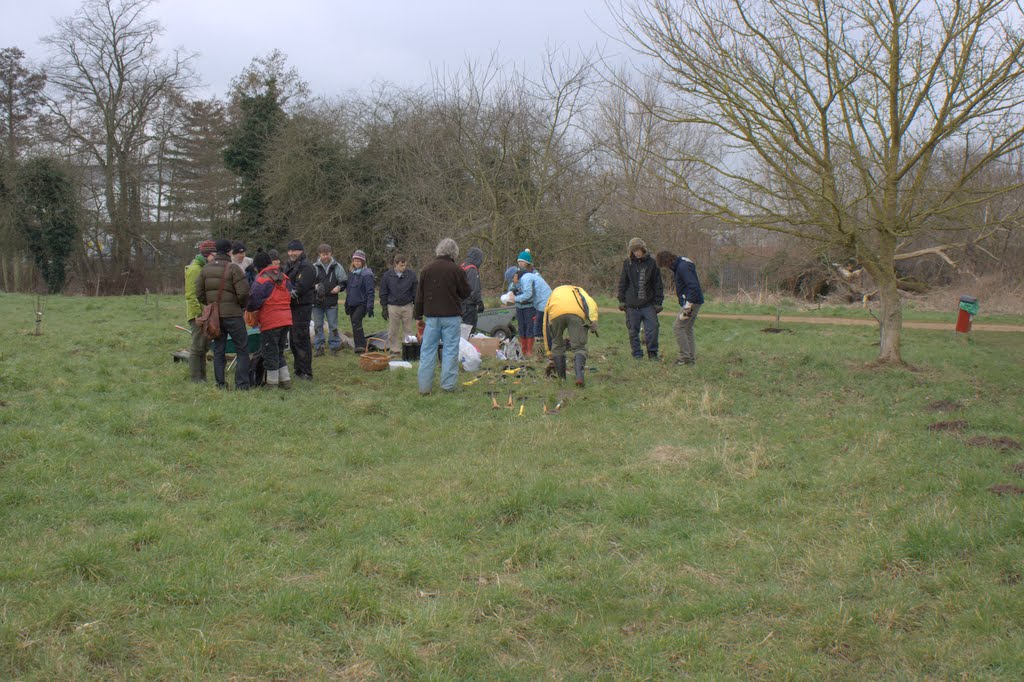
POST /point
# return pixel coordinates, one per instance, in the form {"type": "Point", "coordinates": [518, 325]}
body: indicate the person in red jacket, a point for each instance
{"type": "Point", "coordinates": [271, 297]}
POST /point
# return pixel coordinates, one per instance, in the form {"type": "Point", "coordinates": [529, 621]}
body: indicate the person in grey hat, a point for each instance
{"type": "Point", "coordinates": [359, 297]}
{"type": "Point", "coordinates": [303, 277]}
{"type": "Point", "coordinates": [641, 295]}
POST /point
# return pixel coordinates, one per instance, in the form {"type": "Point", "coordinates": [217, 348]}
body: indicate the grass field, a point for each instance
{"type": "Point", "coordinates": [780, 510]}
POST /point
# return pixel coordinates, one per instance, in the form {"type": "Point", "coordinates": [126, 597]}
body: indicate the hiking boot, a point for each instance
{"type": "Point", "coordinates": [286, 385]}
{"type": "Point", "coordinates": [683, 361]}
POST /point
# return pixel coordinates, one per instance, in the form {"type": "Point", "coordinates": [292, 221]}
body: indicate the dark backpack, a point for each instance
{"type": "Point", "coordinates": [257, 370]}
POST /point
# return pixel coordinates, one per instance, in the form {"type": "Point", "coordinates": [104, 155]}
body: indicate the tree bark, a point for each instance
{"type": "Point", "coordinates": [891, 322]}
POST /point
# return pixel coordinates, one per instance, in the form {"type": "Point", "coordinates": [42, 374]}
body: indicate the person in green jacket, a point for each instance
{"type": "Point", "coordinates": [193, 309]}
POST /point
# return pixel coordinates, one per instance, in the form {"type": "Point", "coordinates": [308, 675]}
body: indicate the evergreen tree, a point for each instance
{"type": "Point", "coordinates": [259, 117]}
{"type": "Point", "coordinates": [46, 212]}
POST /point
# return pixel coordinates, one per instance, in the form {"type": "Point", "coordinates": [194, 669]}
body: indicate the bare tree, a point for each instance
{"type": "Point", "coordinates": [292, 91]}
{"type": "Point", "coordinates": [833, 116]}
{"type": "Point", "coordinates": [110, 80]}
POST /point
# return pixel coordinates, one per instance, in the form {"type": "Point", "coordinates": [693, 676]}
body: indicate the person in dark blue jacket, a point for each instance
{"type": "Point", "coordinates": [359, 297]}
{"type": "Point", "coordinates": [397, 295]}
{"type": "Point", "coordinates": [690, 299]}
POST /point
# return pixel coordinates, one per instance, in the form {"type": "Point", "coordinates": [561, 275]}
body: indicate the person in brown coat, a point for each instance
{"type": "Point", "coordinates": [232, 301]}
{"type": "Point", "coordinates": [439, 294]}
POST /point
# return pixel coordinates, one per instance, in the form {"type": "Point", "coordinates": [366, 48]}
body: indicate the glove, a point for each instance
{"type": "Point", "coordinates": [480, 307]}
{"type": "Point", "coordinates": [622, 307]}
{"type": "Point", "coordinates": [658, 309]}
{"type": "Point", "coordinates": [369, 312]}
{"type": "Point", "coordinates": [686, 312]}
{"type": "Point", "coordinates": [384, 313]}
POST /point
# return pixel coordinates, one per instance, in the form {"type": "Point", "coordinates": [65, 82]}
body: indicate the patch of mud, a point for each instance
{"type": "Point", "coordinates": [1006, 489]}
{"type": "Point", "coordinates": [775, 330]}
{"type": "Point", "coordinates": [1017, 468]}
{"type": "Point", "coordinates": [952, 425]}
{"type": "Point", "coordinates": [1002, 443]}
{"type": "Point", "coordinates": [943, 406]}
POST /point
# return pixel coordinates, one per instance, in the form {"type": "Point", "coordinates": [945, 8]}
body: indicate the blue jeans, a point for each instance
{"type": "Point", "coordinates": [646, 316]}
{"type": "Point", "coordinates": [331, 315]}
{"type": "Point", "coordinates": [439, 330]}
{"type": "Point", "coordinates": [235, 328]}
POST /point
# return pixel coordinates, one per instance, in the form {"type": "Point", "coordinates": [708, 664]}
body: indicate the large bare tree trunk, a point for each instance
{"type": "Point", "coordinates": [891, 321]}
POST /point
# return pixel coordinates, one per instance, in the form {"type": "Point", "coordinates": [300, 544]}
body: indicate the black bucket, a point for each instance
{"type": "Point", "coordinates": [410, 352]}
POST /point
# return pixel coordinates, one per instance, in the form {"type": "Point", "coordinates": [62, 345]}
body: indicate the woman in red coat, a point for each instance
{"type": "Point", "coordinates": [271, 297]}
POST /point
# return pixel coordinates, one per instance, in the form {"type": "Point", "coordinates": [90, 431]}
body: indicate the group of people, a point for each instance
{"type": "Point", "coordinates": [281, 300]}
{"type": "Point", "coordinates": [642, 297]}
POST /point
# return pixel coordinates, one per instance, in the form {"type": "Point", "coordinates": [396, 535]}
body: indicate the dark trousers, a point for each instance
{"type": "Point", "coordinates": [557, 329]}
{"type": "Point", "coordinates": [302, 349]}
{"type": "Point", "coordinates": [649, 319]}
{"type": "Point", "coordinates": [356, 314]}
{"type": "Point", "coordinates": [525, 318]}
{"type": "Point", "coordinates": [470, 317]}
{"type": "Point", "coordinates": [235, 328]}
{"type": "Point", "coordinates": [272, 347]}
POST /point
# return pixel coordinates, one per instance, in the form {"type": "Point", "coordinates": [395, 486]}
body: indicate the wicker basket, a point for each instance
{"type": "Point", "coordinates": [374, 362]}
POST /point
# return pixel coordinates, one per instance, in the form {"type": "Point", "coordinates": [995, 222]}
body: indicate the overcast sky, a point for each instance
{"type": "Point", "coordinates": [342, 45]}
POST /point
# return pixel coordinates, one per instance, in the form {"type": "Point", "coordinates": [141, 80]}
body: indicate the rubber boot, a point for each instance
{"type": "Point", "coordinates": [273, 378]}
{"type": "Point", "coordinates": [559, 366]}
{"type": "Point", "coordinates": [580, 362]}
{"type": "Point", "coordinates": [197, 368]}
{"type": "Point", "coordinates": [284, 379]}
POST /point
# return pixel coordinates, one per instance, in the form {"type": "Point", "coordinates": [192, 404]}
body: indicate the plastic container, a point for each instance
{"type": "Point", "coordinates": [968, 309]}
{"type": "Point", "coordinates": [410, 352]}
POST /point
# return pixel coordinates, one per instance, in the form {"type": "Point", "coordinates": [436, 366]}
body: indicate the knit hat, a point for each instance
{"type": "Point", "coordinates": [510, 273]}
{"type": "Point", "coordinates": [637, 243]}
{"type": "Point", "coordinates": [525, 255]}
{"type": "Point", "coordinates": [360, 254]}
{"type": "Point", "coordinates": [295, 245]}
{"type": "Point", "coordinates": [223, 245]}
{"type": "Point", "coordinates": [237, 247]}
{"type": "Point", "coordinates": [207, 246]}
{"type": "Point", "coordinates": [262, 260]}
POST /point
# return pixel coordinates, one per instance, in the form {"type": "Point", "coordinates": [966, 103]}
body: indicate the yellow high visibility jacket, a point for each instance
{"type": "Point", "coordinates": [571, 300]}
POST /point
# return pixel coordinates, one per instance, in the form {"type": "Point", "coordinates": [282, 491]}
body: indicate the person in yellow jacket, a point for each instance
{"type": "Point", "coordinates": [569, 309]}
{"type": "Point", "coordinates": [193, 308]}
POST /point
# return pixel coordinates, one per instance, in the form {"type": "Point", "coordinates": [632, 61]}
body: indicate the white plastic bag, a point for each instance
{"type": "Point", "coordinates": [469, 356]}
